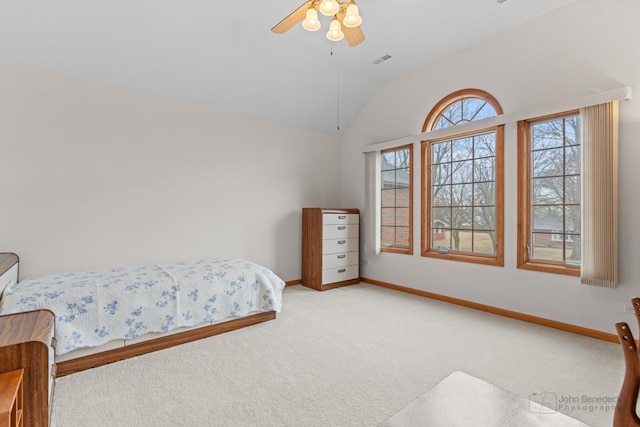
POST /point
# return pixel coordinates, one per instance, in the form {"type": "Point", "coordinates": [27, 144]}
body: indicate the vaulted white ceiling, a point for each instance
{"type": "Point", "coordinates": [222, 54]}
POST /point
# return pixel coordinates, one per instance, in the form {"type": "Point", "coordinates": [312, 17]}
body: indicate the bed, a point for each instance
{"type": "Point", "coordinates": [112, 314]}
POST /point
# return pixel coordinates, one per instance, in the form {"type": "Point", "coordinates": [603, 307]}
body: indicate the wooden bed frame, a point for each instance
{"type": "Point", "coordinates": [100, 357]}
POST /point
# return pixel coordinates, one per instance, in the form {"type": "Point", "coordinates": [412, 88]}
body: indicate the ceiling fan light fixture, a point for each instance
{"type": "Point", "coordinates": [329, 7]}
{"type": "Point", "coordinates": [335, 33]}
{"type": "Point", "coordinates": [311, 22]}
{"type": "Point", "coordinates": [340, 27]}
{"type": "Point", "coordinates": [352, 18]}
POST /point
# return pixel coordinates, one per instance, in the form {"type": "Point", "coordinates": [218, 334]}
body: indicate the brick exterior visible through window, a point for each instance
{"type": "Point", "coordinates": [396, 201]}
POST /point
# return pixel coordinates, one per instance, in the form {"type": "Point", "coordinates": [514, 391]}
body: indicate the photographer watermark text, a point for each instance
{"type": "Point", "coordinates": [550, 403]}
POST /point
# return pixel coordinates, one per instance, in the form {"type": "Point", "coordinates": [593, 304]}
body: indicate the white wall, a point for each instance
{"type": "Point", "coordinates": [587, 47]}
{"type": "Point", "coordinates": [94, 176]}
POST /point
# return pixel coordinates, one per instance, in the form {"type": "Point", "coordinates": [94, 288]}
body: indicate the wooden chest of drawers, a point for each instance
{"type": "Point", "coordinates": [27, 342]}
{"type": "Point", "coordinates": [330, 247]}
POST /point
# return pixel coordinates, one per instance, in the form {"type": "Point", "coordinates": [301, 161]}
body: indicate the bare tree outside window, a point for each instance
{"type": "Point", "coordinates": [462, 195]}
{"type": "Point", "coordinates": [555, 190]}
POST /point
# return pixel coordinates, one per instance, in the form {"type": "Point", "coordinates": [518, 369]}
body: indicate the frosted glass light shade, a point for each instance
{"type": "Point", "coordinates": [335, 33]}
{"type": "Point", "coordinates": [352, 18]}
{"type": "Point", "coordinates": [311, 22]}
{"type": "Point", "coordinates": [329, 7]}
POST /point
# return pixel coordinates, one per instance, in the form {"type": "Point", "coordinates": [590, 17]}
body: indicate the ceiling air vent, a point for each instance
{"type": "Point", "coordinates": [382, 59]}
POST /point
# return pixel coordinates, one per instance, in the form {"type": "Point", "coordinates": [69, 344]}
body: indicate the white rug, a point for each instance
{"type": "Point", "coordinates": [461, 400]}
{"type": "Point", "coordinates": [351, 356]}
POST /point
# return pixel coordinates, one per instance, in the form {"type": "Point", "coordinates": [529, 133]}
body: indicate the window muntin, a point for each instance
{"type": "Point", "coordinates": [463, 198]}
{"type": "Point", "coordinates": [550, 185]}
{"type": "Point", "coordinates": [464, 111]}
{"type": "Point", "coordinates": [460, 107]}
{"type": "Point", "coordinates": [463, 183]}
{"type": "Point", "coordinates": [555, 190]}
{"type": "Point", "coordinates": [396, 200]}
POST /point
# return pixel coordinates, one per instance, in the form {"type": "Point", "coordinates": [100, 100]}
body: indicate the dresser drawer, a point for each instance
{"type": "Point", "coordinates": [53, 370]}
{"type": "Point", "coordinates": [340, 219]}
{"type": "Point", "coordinates": [52, 349]}
{"type": "Point", "coordinates": [333, 246]}
{"type": "Point", "coordinates": [25, 343]}
{"type": "Point", "coordinates": [339, 274]}
{"type": "Point", "coordinates": [340, 260]}
{"type": "Point", "coordinates": [337, 231]}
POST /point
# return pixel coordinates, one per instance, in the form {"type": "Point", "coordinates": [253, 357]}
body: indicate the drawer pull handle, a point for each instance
{"type": "Point", "coordinates": [342, 270]}
{"type": "Point", "coordinates": [342, 242]}
{"type": "Point", "coordinates": [342, 227]}
{"type": "Point", "coordinates": [342, 217]}
{"type": "Point", "coordinates": [342, 256]}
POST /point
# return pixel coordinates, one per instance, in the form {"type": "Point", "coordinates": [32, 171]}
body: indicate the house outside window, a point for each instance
{"type": "Point", "coordinates": [462, 174]}
{"type": "Point", "coordinates": [559, 237]}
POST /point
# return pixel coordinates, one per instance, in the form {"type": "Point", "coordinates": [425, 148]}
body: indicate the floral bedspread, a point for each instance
{"type": "Point", "coordinates": [92, 308]}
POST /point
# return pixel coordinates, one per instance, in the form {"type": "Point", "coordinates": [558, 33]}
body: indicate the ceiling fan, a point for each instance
{"type": "Point", "coordinates": [345, 23]}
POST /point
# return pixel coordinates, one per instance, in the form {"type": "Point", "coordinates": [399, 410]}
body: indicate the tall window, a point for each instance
{"type": "Point", "coordinates": [396, 195]}
{"type": "Point", "coordinates": [549, 217]}
{"type": "Point", "coordinates": [462, 215]}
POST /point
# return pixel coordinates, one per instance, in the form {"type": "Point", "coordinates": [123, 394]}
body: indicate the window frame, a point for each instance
{"type": "Point", "coordinates": [399, 249]}
{"type": "Point", "coordinates": [496, 259]}
{"type": "Point", "coordinates": [454, 97]}
{"type": "Point", "coordinates": [523, 260]}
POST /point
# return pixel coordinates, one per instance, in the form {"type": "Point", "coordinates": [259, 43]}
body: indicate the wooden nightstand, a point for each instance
{"type": "Point", "coordinates": [27, 342]}
{"type": "Point", "coordinates": [11, 398]}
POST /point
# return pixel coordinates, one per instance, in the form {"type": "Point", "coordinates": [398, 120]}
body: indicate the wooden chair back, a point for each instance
{"type": "Point", "coordinates": [625, 414]}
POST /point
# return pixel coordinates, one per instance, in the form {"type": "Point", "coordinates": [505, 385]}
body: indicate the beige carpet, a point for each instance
{"type": "Point", "coordinates": [351, 356]}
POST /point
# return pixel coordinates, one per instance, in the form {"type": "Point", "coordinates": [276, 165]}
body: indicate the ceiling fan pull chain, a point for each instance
{"type": "Point", "coordinates": [337, 86]}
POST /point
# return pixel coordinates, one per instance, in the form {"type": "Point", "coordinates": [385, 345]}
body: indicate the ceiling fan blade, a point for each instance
{"type": "Point", "coordinates": [353, 36]}
{"type": "Point", "coordinates": [296, 16]}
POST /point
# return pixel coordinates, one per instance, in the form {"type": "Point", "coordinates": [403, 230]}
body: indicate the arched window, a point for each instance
{"type": "Point", "coordinates": [463, 106]}
{"type": "Point", "coordinates": [462, 191]}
